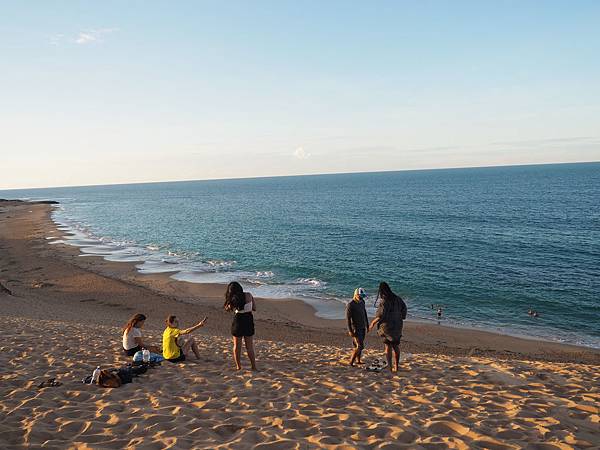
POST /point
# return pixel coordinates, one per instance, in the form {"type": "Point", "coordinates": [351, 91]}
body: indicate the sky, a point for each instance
{"type": "Point", "coordinates": [120, 92]}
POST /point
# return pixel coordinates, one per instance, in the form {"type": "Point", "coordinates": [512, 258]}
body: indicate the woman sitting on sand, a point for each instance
{"type": "Point", "coordinates": [175, 347]}
{"type": "Point", "coordinates": [132, 336]}
{"type": "Point", "coordinates": [242, 304]}
{"type": "Point", "coordinates": [389, 320]}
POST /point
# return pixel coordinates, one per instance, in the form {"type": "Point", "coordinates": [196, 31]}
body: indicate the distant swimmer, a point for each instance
{"type": "Point", "coordinates": [530, 312]}
{"type": "Point", "coordinates": [535, 314]}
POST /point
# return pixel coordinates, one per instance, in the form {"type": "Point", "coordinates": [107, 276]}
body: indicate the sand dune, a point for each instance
{"type": "Point", "coordinates": [304, 397]}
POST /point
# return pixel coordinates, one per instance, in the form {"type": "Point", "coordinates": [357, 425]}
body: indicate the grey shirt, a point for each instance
{"type": "Point", "coordinates": [356, 315]}
{"type": "Point", "coordinates": [391, 315]}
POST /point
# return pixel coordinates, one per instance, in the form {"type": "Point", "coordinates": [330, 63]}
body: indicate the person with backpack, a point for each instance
{"type": "Point", "coordinates": [389, 321]}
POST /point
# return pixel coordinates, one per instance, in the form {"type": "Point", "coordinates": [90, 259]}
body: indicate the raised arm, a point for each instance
{"type": "Point", "coordinates": [194, 328]}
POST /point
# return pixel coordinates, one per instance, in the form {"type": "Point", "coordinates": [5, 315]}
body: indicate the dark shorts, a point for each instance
{"type": "Point", "coordinates": [180, 358]}
{"type": "Point", "coordinates": [132, 351]}
{"type": "Point", "coordinates": [359, 335]}
{"type": "Point", "coordinates": [242, 325]}
{"type": "Point", "coordinates": [388, 341]}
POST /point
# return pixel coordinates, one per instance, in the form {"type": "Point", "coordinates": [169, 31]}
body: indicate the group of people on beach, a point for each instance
{"type": "Point", "coordinates": [389, 320]}
{"type": "Point", "coordinates": [178, 345]}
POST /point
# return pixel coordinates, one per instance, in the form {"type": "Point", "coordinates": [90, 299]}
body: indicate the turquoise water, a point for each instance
{"type": "Point", "coordinates": [486, 243]}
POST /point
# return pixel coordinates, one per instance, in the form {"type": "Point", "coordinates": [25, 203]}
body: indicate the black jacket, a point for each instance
{"type": "Point", "coordinates": [356, 315]}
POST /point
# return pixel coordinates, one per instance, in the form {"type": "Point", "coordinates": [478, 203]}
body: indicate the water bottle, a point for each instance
{"type": "Point", "coordinates": [146, 355]}
{"type": "Point", "coordinates": [96, 375]}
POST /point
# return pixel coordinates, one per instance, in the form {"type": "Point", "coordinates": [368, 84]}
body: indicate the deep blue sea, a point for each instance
{"type": "Point", "coordinates": [486, 243]}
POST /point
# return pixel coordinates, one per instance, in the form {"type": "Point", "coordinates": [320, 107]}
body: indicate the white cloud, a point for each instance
{"type": "Point", "coordinates": [300, 153]}
{"type": "Point", "coordinates": [91, 36]}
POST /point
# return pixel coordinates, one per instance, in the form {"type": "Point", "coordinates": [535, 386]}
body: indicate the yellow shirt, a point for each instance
{"type": "Point", "coordinates": [169, 344]}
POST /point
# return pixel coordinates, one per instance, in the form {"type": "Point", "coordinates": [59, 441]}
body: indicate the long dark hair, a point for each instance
{"type": "Point", "coordinates": [385, 294]}
{"type": "Point", "coordinates": [135, 319]}
{"type": "Point", "coordinates": [234, 297]}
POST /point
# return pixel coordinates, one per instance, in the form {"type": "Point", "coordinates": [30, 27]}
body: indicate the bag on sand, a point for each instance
{"type": "Point", "coordinates": [109, 379]}
{"type": "Point", "coordinates": [154, 358]}
{"type": "Point", "coordinates": [138, 370]}
{"type": "Point", "coordinates": [113, 378]}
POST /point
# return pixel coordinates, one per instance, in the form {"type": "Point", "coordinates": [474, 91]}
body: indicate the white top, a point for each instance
{"type": "Point", "coordinates": [247, 308]}
{"type": "Point", "coordinates": [247, 305]}
{"type": "Point", "coordinates": [129, 338]}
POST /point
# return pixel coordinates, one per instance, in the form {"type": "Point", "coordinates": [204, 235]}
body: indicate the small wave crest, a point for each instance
{"type": "Point", "coordinates": [265, 274]}
{"type": "Point", "coordinates": [312, 282]}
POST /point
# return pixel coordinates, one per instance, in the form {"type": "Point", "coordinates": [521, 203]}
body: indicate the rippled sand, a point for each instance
{"type": "Point", "coordinates": [304, 397]}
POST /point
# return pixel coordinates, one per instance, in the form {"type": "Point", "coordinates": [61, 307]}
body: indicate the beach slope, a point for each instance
{"type": "Point", "coordinates": [60, 317]}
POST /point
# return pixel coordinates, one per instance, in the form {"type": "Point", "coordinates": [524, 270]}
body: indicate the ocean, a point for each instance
{"type": "Point", "coordinates": [487, 244]}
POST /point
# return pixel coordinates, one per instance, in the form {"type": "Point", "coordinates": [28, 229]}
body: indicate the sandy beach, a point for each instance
{"type": "Point", "coordinates": [61, 317]}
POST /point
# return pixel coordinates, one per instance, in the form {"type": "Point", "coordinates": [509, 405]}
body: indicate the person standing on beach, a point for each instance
{"type": "Point", "coordinates": [175, 347]}
{"type": "Point", "coordinates": [358, 322]}
{"type": "Point", "coordinates": [241, 304]}
{"type": "Point", "coordinates": [389, 320]}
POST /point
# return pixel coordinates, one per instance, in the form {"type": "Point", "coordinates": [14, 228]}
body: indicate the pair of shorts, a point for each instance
{"type": "Point", "coordinates": [387, 341]}
{"type": "Point", "coordinates": [180, 358]}
{"type": "Point", "coordinates": [132, 351]}
{"type": "Point", "coordinates": [242, 325]}
{"type": "Point", "coordinates": [360, 335]}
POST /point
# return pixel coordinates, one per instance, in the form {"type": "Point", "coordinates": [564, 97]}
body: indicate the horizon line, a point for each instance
{"type": "Point", "coordinates": [302, 175]}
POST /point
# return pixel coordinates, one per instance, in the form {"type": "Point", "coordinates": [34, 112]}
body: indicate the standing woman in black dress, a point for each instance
{"type": "Point", "coordinates": [241, 304]}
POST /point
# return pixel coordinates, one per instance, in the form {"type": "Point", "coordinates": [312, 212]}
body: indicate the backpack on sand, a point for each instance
{"type": "Point", "coordinates": [109, 379]}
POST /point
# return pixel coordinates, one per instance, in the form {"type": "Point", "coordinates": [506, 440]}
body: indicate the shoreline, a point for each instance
{"type": "Point", "coordinates": [287, 320]}
{"type": "Point", "coordinates": [210, 286]}
{"type": "Point", "coordinates": [62, 316]}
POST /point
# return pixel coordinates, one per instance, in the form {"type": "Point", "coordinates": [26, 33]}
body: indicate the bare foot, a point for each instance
{"type": "Point", "coordinates": [238, 368]}
{"type": "Point", "coordinates": [255, 369]}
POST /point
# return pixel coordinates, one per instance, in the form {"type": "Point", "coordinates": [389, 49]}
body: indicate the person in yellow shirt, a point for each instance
{"type": "Point", "coordinates": [175, 347]}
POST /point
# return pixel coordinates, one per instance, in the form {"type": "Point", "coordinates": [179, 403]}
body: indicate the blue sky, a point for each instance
{"type": "Point", "coordinates": [115, 92]}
